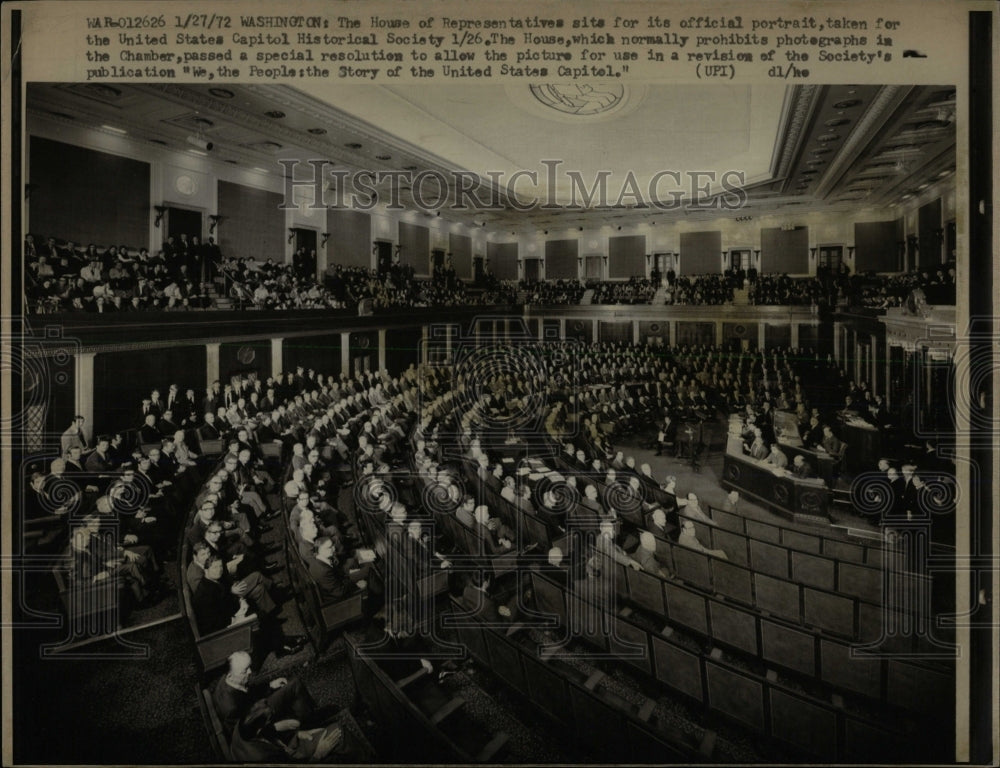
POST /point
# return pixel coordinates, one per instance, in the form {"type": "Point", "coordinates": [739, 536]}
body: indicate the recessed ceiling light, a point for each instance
{"type": "Point", "coordinates": [264, 146]}
{"type": "Point", "coordinates": [221, 93]}
{"type": "Point", "coordinates": [113, 129]}
{"type": "Point", "coordinates": [198, 152]}
{"type": "Point", "coordinates": [261, 170]}
{"type": "Point", "coordinates": [940, 96]}
{"type": "Point", "coordinates": [317, 131]}
{"type": "Point", "coordinates": [943, 174]}
{"type": "Point", "coordinates": [275, 114]}
{"type": "Point", "coordinates": [353, 145]}
{"type": "Point", "coordinates": [929, 124]}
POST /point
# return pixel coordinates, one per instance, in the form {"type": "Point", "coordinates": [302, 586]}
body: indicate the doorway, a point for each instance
{"type": "Point", "coordinates": [531, 270]}
{"type": "Point", "coordinates": [740, 259]}
{"type": "Point", "coordinates": [183, 221]}
{"type": "Point", "coordinates": [829, 259]}
{"type": "Point", "coordinates": [383, 256]}
{"type": "Point", "coordinates": [304, 260]}
{"type": "Point", "coordinates": [437, 260]}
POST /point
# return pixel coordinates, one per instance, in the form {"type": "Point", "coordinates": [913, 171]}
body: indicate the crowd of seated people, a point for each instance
{"type": "Point", "coordinates": [271, 286]}
{"type": "Point", "coordinates": [636, 290]}
{"type": "Point", "coordinates": [699, 289]}
{"type": "Point", "coordinates": [60, 277]}
{"type": "Point", "coordinates": [552, 292]}
{"type": "Point", "coordinates": [890, 291]}
{"type": "Point", "coordinates": [782, 290]}
{"type": "Point", "coordinates": [367, 423]}
{"type": "Point", "coordinates": [587, 465]}
{"type": "Point", "coordinates": [63, 278]}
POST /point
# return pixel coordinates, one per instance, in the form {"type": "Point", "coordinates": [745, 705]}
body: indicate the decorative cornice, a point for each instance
{"type": "Point", "coordinates": [800, 106]}
{"type": "Point", "coordinates": [881, 109]}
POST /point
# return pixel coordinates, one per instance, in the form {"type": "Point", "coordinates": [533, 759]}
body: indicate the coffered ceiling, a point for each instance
{"type": "Point", "coordinates": [798, 148]}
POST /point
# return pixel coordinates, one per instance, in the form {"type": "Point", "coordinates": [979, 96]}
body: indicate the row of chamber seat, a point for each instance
{"type": "Point", "coordinates": [428, 723]}
{"type": "Point", "coordinates": [600, 721]}
{"type": "Point", "coordinates": [805, 717]}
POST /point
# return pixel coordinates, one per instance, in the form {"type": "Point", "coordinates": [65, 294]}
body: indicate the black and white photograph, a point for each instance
{"type": "Point", "coordinates": [560, 419]}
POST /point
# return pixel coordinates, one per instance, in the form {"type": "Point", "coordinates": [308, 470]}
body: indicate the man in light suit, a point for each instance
{"type": "Point", "coordinates": [73, 436]}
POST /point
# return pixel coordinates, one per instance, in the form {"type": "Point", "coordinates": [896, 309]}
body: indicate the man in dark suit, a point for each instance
{"type": "Point", "coordinates": [156, 405]}
{"type": "Point", "coordinates": [148, 433]}
{"type": "Point", "coordinates": [215, 606]}
{"type": "Point", "coordinates": [765, 420]}
{"type": "Point", "coordinates": [73, 435]}
{"type": "Point", "coordinates": [831, 443]}
{"type": "Point", "coordinates": [333, 584]}
{"type": "Point", "coordinates": [477, 599]}
{"type": "Point", "coordinates": [896, 487]}
{"type": "Point", "coordinates": [235, 693]}
{"type": "Point", "coordinates": [208, 430]}
{"type": "Point", "coordinates": [167, 426]}
{"type": "Point", "coordinates": [814, 436]}
{"type": "Point", "coordinates": [908, 497]}
{"type": "Point", "coordinates": [667, 437]}
{"type": "Point", "coordinates": [802, 468]}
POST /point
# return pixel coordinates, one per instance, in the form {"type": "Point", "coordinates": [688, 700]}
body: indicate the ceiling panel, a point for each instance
{"type": "Point", "coordinates": [811, 147]}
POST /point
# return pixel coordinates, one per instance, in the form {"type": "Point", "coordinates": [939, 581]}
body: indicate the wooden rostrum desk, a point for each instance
{"type": "Point", "coordinates": [799, 500]}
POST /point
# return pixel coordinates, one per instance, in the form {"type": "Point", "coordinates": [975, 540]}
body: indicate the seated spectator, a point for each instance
{"type": "Point", "coordinates": [688, 538]}
{"type": "Point", "coordinates": [236, 693]}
